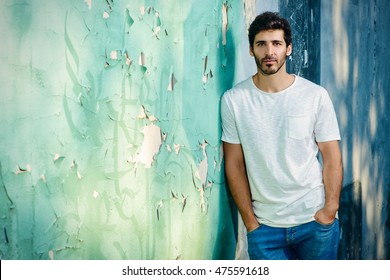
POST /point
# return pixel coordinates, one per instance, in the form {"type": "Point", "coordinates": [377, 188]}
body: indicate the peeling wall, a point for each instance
{"type": "Point", "coordinates": [110, 142]}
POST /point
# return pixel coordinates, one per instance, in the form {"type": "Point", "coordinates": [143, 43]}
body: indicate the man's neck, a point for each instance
{"type": "Point", "coordinates": [273, 83]}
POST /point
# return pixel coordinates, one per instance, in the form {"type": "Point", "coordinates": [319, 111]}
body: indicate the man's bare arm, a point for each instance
{"type": "Point", "coordinates": [333, 179]}
{"type": "Point", "coordinates": [238, 183]}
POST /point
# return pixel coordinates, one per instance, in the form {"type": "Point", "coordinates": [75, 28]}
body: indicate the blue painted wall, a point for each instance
{"type": "Point", "coordinates": [354, 67]}
{"type": "Point", "coordinates": [342, 44]}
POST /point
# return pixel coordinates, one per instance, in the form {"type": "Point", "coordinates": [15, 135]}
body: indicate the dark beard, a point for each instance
{"type": "Point", "coordinates": [268, 71]}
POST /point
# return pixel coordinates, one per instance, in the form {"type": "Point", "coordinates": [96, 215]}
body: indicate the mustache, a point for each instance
{"type": "Point", "coordinates": [269, 57]}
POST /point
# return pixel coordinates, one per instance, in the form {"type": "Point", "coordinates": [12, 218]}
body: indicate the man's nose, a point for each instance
{"type": "Point", "coordinates": [269, 49]}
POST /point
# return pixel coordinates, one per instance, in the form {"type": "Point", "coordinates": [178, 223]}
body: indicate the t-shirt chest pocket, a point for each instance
{"type": "Point", "coordinates": [300, 126]}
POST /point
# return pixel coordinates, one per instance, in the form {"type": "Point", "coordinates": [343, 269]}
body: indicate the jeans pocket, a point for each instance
{"type": "Point", "coordinates": [253, 231]}
{"type": "Point", "coordinates": [326, 225]}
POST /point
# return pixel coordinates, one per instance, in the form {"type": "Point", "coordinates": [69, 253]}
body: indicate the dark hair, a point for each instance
{"type": "Point", "coordinates": [269, 21]}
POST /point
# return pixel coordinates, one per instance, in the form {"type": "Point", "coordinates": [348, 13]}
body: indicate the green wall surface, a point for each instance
{"type": "Point", "coordinates": [110, 131]}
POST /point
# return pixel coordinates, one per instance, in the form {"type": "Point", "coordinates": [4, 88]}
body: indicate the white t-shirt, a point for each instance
{"type": "Point", "coordinates": [278, 134]}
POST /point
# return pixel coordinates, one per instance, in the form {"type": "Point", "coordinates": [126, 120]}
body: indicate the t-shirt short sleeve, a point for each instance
{"type": "Point", "coordinates": [229, 128]}
{"type": "Point", "coordinates": [326, 128]}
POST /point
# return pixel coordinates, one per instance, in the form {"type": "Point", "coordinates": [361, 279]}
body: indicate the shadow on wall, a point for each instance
{"type": "Point", "coordinates": [221, 250]}
{"type": "Point", "coordinates": [354, 36]}
{"type": "Point", "coordinates": [350, 217]}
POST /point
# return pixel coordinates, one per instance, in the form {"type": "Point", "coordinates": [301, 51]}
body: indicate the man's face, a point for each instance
{"type": "Point", "coordinates": [270, 51]}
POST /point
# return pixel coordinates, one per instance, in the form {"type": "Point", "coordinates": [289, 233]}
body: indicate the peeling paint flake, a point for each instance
{"type": "Point", "coordinates": [129, 19]}
{"type": "Point", "coordinates": [150, 146]}
{"type": "Point", "coordinates": [113, 55]}
{"type": "Point", "coordinates": [142, 59]}
{"type": "Point", "coordinates": [183, 202]}
{"type": "Point", "coordinates": [172, 82]}
{"type": "Point", "coordinates": [201, 173]}
{"type": "Point", "coordinates": [202, 200]}
{"type": "Point", "coordinates": [159, 206]}
{"type": "Point", "coordinates": [142, 10]}
{"type": "Point", "coordinates": [20, 170]}
{"type": "Point", "coordinates": [250, 12]}
{"type": "Point", "coordinates": [57, 157]}
{"type": "Point", "coordinates": [176, 147]}
{"type": "Point", "coordinates": [224, 23]}
{"type": "Point", "coordinates": [106, 15]}
{"type": "Point", "coordinates": [157, 26]}
{"type": "Point", "coordinates": [89, 3]}
{"type": "Point", "coordinates": [51, 254]}
{"type": "Point", "coordinates": [143, 115]}
{"type": "Point", "coordinates": [128, 60]}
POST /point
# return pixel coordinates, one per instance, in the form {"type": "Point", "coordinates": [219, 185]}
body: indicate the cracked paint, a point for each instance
{"type": "Point", "coordinates": [105, 113]}
{"type": "Point", "coordinates": [201, 173]}
{"type": "Point", "coordinates": [150, 146]}
{"type": "Point", "coordinates": [172, 82]}
{"type": "Point", "coordinates": [250, 12]}
{"type": "Point", "coordinates": [224, 23]}
{"type": "Point", "coordinates": [106, 15]}
{"type": "Point", "coordinates": [89, 3]}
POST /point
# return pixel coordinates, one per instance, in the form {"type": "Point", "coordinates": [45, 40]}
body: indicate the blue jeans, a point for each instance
{"type": "Point", "coordinates": [310, 241]}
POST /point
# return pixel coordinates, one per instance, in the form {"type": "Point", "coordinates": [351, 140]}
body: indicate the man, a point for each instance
{"type": "Point", "coordinates": [274, 124]}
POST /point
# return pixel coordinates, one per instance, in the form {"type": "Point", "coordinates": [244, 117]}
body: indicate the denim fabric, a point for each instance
{"type": "Point", "coordinates": [310, 241]}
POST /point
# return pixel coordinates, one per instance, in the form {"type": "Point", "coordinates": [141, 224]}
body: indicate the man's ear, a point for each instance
{"type": "Point", "coordinates": [289, 50]}
{"type": "Point", "coordinates": [251, 51]}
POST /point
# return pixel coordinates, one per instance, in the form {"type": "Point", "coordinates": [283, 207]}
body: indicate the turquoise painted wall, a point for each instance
{"type": "Point", "coordinates": [110, 135]}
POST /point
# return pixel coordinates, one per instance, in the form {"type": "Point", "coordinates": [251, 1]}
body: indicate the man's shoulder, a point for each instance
{"type": "Point", "coordinates": [239, 87]}
{"type": "Point", "coordinates": [309, 87]}
{"type": "Point", "coordinates": [301, 81]}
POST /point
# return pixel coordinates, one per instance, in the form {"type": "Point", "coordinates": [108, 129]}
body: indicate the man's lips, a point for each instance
{"type": "Point", "coordinates": [269, 61]}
